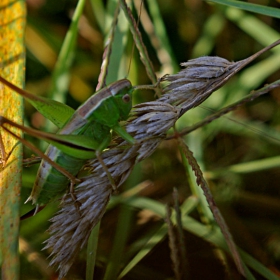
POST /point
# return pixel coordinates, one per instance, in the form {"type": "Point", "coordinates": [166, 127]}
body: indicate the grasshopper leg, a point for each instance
{"type": "Point", "coordinates": [73, 180]}
{"type": "Point", "coordinates": [98, 156]}
{"type": "Point", "coordinates": [151, 87]}
{"type": "Point", "coordinates": [30, 161]}
{"type": "Point", "coordinates": [73, 195]}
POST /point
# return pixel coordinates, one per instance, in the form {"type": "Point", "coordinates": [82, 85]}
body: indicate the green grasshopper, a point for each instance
{"type": "Point", "coordinates": [82, 135]}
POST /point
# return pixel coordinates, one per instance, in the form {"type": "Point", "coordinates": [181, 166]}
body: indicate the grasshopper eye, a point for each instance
{"type": "Point", "coordinates": [126, 98]}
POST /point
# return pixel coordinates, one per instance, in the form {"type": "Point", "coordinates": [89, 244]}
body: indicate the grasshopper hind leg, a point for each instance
{"type": "Point", "coordinates": [27, 162]}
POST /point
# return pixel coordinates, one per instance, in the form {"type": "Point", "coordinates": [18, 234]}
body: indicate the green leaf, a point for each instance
{"type": "Point", "coordinates": [254, 8]}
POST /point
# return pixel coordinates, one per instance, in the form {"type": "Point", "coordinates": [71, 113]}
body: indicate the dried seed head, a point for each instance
{"type": "Point", "coordinates": [70, 230]}
{"type": "Point", "coordinates": [196, 82]}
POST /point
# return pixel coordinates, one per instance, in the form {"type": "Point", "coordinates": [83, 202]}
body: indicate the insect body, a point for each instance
{"type": "Point", "coordinates": [82, 136]}
{"type": "Point", "coordinates": [94, 119]}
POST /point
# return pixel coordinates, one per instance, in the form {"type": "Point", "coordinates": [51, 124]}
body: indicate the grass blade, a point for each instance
{"type": "Point", "coordinates": [162, 47]}
{"type": "Point", "coordinates": [250, 7]}
{"type": "Point", "coordinates": [139, 42]}
{"type": "Point", "coordinates": [91, 252]}
{"type": "Point", "coordinates": [120, 238]}
{"type": "Point", "coordinates": [60, 75]}
{"type": "Point", "coordinates": [153, 241]}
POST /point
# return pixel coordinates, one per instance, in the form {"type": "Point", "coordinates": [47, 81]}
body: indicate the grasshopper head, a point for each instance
{"type": "Point", "coordinates": [123, 97]}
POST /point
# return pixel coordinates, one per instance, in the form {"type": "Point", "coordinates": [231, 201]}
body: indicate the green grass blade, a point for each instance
{"type": "Point", "coordinates": [142, 203]}
{"type": "Point", "coordinates": [118, 36]}
{"type": "Point", "coordinates": [254, 27]}
{"type": "Point", "coordinates": [12, 59]}
{"type": "Point", "coordinates": [161, 34]}
{"type": "Point", "coordinates": [211, 29]}
{"type": "Point", "coordinates": [250, 7]}
{"type": "Point", "coordinates": [246, 167]}
{"type": "Point", "coordinates": [91, 252]}
{"type": "Point", "coordinates": [60, 76]}
{"type": "Point", "coordinates": [151, 243]}
{"type": "Point", "coordinates": [120, 238]}
{"type": "Point", "coordinates": [139, 42]}
{"type": "Point", "coordinates": [99, 13]}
